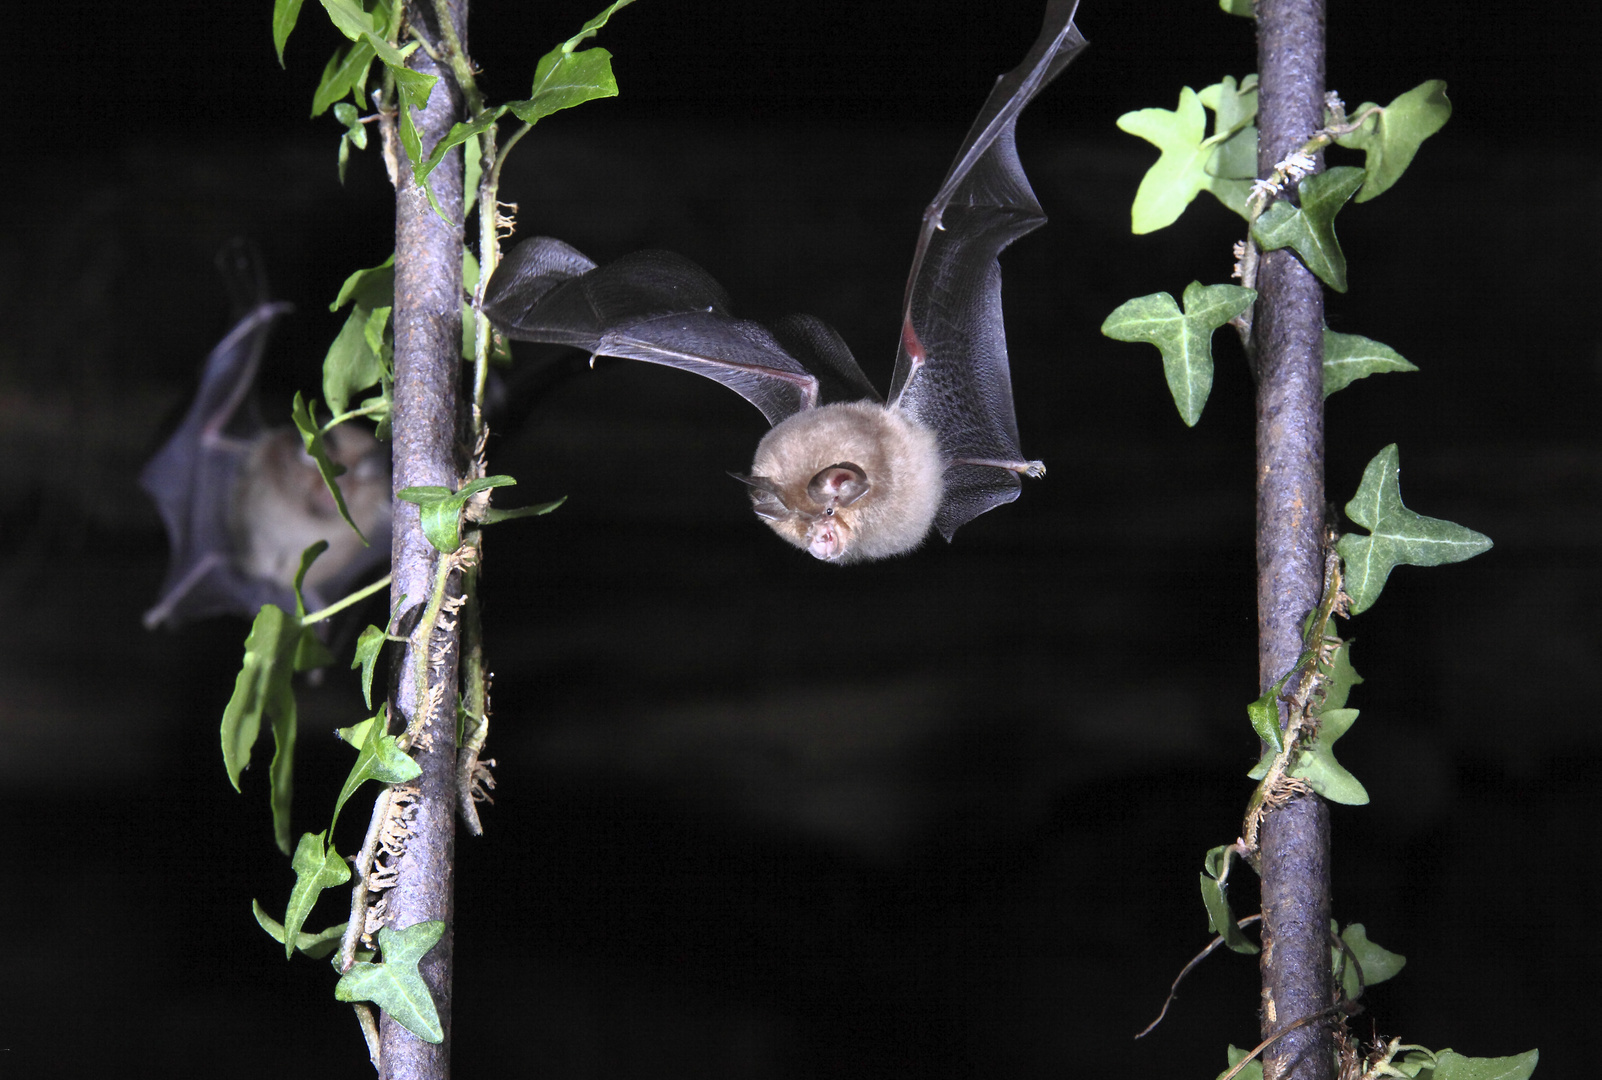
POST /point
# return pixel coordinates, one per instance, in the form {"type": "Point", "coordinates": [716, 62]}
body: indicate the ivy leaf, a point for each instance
{"type": "Point", "coordinates": [285, 14]}
{"type": "Point", "coordinates": [1246, 9]}
{"type": "Point", "coordinates": [413, 90]}
{"type": "Point", "coordinates": [345, 74]}
{"type": "Point", "coordinates": [459, 134]}
{"type": "Point", "coordinates": [1236, 159]}
{"type": "Point", "coordinates": [368, 645]}
{"type": "Point", "coordinates": [1378, 964]}
{"type": "Point", "coordinates": [1185, 340]}
{"type": "Point", "coordinates": [352, 364]}
{"type": "Point", "coordinates": [1398, 535]}
{"type": "Point", "coordinates": [354, 22]}
{"type": "Point", "coordinates": [396, 986]}
{"type": "Point", "coordinates": [262, 688]}
{"type": "Point", "coordinates": [1339, 678]}
{"type": "Point", "coordinates": [441, 508]}
{"type": "Point", "coordinates": [1220, 919]}
{"type": "Point", "coordinates": [1235, 106]}
{"type": "Point", "coordinates": [315, 946]}
{"type": "Point", "coordinates": [311, 435]}
{"type": "Point", "coordinates": [1392, 137]}
{"type": "Point", "coordinates": [1310, 228]}
{"type": "Point", "coordinates": [1181, 171]}
{"type": "Point", "coordinates": [317, 867]}
{"type": "Point", "coordinates": [1252, 1070]}
{"type": "Point", "coordinates": [492, 515]}
{"type": "Point", "coordinates": [381, 759]}
{"type": "Point", "coordinates": [1450, 1065]}
{"type": "Point", "coordinates": [1317, 765]}
{"type": "Point", "coordinates": [1349, 357]}
{"type": "Point", "coordinates": [371, 288]}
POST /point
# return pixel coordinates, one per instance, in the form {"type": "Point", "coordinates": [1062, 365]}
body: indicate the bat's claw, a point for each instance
{"type": "Point", "coordinates": [1033, 468]}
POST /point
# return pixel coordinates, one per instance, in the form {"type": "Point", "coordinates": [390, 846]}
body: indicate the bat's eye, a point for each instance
{"type": "Point", "coordinates": [828, 511]}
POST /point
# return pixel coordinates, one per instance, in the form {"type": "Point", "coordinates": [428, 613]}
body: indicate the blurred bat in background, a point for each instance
{"type": "Point", "coordinates": [841, 475]}
{"type": "Point", "coordinates": [241, 501]}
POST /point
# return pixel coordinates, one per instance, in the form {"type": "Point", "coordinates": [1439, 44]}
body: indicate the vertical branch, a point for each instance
{"type": "Point", "coordinates": [1290, 512]}
{"type": "Point", "coordinates": [428, 335]}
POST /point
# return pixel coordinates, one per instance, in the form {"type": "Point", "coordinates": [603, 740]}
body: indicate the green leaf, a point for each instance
{"type": "Point", "coordinates": [381, 759]}
{"type": "Point", "coordinates": [413, 88]}
{"type": "Point", "coordinates": [368, 646]}
{"type": "Point", "coordinates": [1450, 1065]}
{"type": "Point", "coordinates": [285, 13]}
{"type": "Point", "coordinates": [317, 867]}
{"type": "Point", "coordinates": [1235, 105]}
{"type": "Point", "coordinates": [1181, 171]}
{"type": "Point", "coordinates": [370, 26]}
{"type": "Point", "coordinates": [441, 509]}
{"type": "Point", "coordinates": [1349, 357]}
{"type": "Point", "coordinates": [1220, 919]}
{"type": "Point", "coordinates": [492, 515]}
{"type": "Point", "coordinates": [1235, 158]}
{"type": "Point", "coordinates": [565, 79]}
{"type": "Point", "coordinates": [1378, 964]}
{"type": "Point", "coordinates": [1310, 229]}
{"type": "Point", "coordinates": [396, 986]}
{"type": "Point", "coordinates": [1392, 137]}
{"type": "Point", "coordinates": [315, 946]}
{"type": "Point", "coordinates": [1317, 765]}
{"type": "Point", "coordinates": [352, 364]}
{"type": "Point", "coordinates": [371, 288]}
{"type": "Point", "coordinates": [311, 435]}
{"type": "Point", "coordinates": [459, 134]}
{"type": "Point", "coordinates": [1264, 715]}
{"type": "Point", "coordinates": [1185, 340]}
{"type": "Point", "coordinates": [1398, 535]}
{"type": "Point", "coordinates": [344, 74]}
{"type": "Point", "coordinates": [1253, 1069]}
{"type": "Point", "coordinates": [1339, 678]}
{"type": "Point", "coordinates": [263, 688]}
{"type": "Point", "coordinates": [356, 734]}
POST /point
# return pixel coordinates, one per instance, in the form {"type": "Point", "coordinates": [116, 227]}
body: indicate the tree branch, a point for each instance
{"type": "Point", "coordinates": [428, 335]}
{"type": "Point", "coordinates": [1288, 333]}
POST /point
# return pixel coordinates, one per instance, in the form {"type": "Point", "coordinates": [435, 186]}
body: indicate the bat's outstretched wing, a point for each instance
{"type": "Point", "coordinates": [664, 309]}
{"type": "Point", "coordinates": [951, 369]}
{"type": "Point", "coordinates": [192, 479]}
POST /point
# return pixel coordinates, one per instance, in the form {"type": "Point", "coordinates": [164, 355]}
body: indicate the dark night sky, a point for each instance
{"type": "Point", "coordinates": [761, 817]}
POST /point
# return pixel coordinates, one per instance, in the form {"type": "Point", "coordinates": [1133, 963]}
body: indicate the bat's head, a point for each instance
{"type": "Point", "coordinates": [848, 482]}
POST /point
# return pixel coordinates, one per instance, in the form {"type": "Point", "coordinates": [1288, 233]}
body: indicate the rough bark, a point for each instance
{"type": "Point", "coordinates": [428, 335]}
{"type": "Point", "coordinates": [1290, 524]}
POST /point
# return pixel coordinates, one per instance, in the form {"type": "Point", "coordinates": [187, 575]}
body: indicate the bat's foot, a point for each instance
{"type": "Point", "coordinates": [1027, 468]}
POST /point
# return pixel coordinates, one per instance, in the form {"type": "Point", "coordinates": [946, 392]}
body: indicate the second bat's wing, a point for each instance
{"type": "Point", "coordinates": [951, 369]}
{"type": "Point", "coordinates": [664, 309]}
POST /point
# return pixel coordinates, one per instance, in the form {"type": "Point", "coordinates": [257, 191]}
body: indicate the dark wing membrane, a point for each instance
{"type": "Point", "coordinates": [661, 308]}
{"type": "Point", "coordinates": [191, 480]}
{"type": "Point", "coordinates": [951, 324]}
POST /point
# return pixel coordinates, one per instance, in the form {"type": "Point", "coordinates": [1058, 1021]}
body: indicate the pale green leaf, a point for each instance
{"type": "Point", "coordinates": [1391, 138]}
{"type": "Point", "coordinates": [1378, 964]}
{"type": "Point", "coordinates": [315, 946]}
{"type": "Point", "coordinates": [368, 646]}
{"type": "Point", "coordinates": [441, 509]}
{"type": "Point", "coordinates": [352, 364]}
{"type": "Point", "coordinates": [285, 14]}
{"type": "Point", "coordinates": [311, 435]}
{"type": "Point", "coordinates": [371, 288]}
{"type": "Point", "coordinates": [1246, 9]}
{"type": "Point", "coordinates": [380, 758]}
{"type": "Point", "coordinates": [1183, 338]}
{"type": "Point", "coordinates": [1450, 1065]}
{"type": "Point", "coordinates": [1349, 357]}
{"type": "Point", "coordinates": [1180, 173]}
{"type": "Point", "coordinates": [263, 688]}
{"type": "Point", "coordinates": [1398, 536]}
{"type": "Point", "coordinates": [1253, 1070]}
{"type": "Point", "coordinates": [396, 986]}
{"type": "Point", "coordinates": [345, 74]}
{"type": "Point", "coordinates": [317, 867]}
{"type": "Point", "coordinates": [1220, 919]}
{"type": "Point", "coordinates": [1310, 229]}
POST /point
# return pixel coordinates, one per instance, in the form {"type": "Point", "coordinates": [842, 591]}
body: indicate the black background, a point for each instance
{"type": "Point", "coordinates": [759, 816]}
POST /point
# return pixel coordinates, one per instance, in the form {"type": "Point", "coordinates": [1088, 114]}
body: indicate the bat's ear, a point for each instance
{"type": "Point", "coordinates": [841, 484]}
{"type": "Point", "coordinates": [765, 498]}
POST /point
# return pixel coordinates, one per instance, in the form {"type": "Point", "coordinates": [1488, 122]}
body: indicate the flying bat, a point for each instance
{"type": "Point", "coordinates": [241, 500]}
{"type": "Point", "coordinates": [841, 474]}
